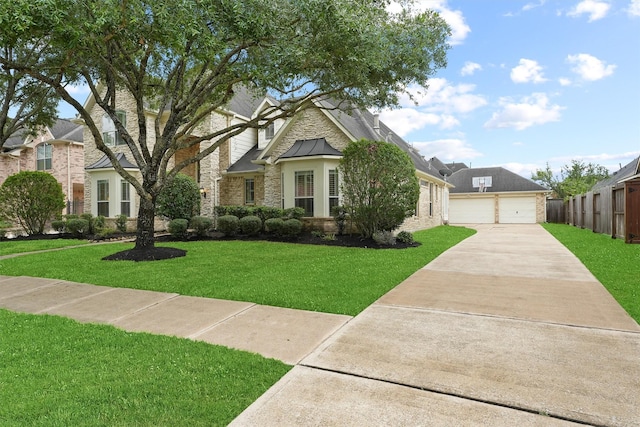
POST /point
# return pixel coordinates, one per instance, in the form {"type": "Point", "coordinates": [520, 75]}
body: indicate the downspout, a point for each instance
{"type": "Point", "coordinates": [69, 189]}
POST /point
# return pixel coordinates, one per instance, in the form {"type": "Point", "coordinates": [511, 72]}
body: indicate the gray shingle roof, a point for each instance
{"type": "Point", "coordinates": [310, 147]}
{"type": "Point", "coordinates": [244, 164]}
{"type": "Point", "coordinates": [244, 101]}
{"type": "Point", "coordinates": [456, 166]}
{"type": "Point", "coordinates": [503, 180]}
{"type": "Point", "coordinates": [105, 163]}
{"type": "Point", "coordinates": [66, 130]}
{"type": "Point", "coordinates": [628, 170]}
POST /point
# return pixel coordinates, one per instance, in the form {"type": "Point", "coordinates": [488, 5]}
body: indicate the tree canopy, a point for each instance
{"type": "Point", "coordinates": [577, 178]}
{"type": "Point", "coordinates": [182, 59]}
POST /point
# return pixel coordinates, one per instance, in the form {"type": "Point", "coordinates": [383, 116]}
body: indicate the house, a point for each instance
{"type": "Point", "coordinates": [56, 149]}
{"type": "Point", "coordinates": [292, 162]}
{"type": "Point", "coordinates": [494, 196]}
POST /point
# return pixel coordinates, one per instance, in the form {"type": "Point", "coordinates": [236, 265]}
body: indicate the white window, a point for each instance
{"type": "Point", "coordinates": [270, 131]}
{"type": "Point", "coordinates": [125, 201]}
{"type": "Point", "coordinates": [431, 199]}
{"type": "Point", "coordinates": [249, 191]}
{"type": "Point", "coordinates": [110, 135]}
{"type": "Point", "coordinates": [304, 191]}
{"type": "Point", "coordinates": [103, 197]}
{"type": "Point", "coordinates": [44, 153]}
{"type": "Point", "coordinates": [333, 189]}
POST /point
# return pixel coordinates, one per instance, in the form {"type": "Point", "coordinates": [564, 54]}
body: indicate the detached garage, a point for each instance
{"type": "Point", "coordinates": [495, 196]}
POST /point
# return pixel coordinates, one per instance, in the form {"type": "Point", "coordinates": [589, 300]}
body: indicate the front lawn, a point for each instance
{"type": "Point", "coordinates": [615, 264]}
{"type": "Point", "coordinates": [318, 278]}
{"type": "Point", "coordinates": [57, 372]}
{"type": "Point", "coordinates": [8, 247]}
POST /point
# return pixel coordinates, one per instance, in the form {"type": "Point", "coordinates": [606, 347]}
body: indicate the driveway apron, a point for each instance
{"type": "Point", "coordinates": [506, 328]}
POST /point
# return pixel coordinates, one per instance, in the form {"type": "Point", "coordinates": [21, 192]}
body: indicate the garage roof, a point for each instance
{"type": "Point", "coordinates": [502, 180]}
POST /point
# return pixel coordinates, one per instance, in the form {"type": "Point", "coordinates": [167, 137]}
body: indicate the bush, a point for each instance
{"type": "Point", "coordinates": [385, 238]}
{"type": "Point", "coordinates": [291, 227]}
{"type": "Point", "coordinates": [250, 225]}
{"type": "Point", "coordinates": [30, 199]}
{"type": "Point", "coordinates": [78, 227]}
{"type": "Point", "coordinates": [180, 198]}
{"type": "Point", "coordinates": [178, 227]}
{"type": "Point", "coordinates": [379, 183]}
{"type": "Point", "coordinates": [99, 223]}
{"type": "Point", "coordinates": [267, 212]}
{"type": "Point", "coordinates": [293, 213]}
{"type": "Point", "coordinates": [274, 226]}
{"type": "Point", "coordinates": [339, 214]}
{"type": "Point", "coordinates": [228, 224]}
{"type": "Point", "coordinates": [90, 220]}
{"type": "Point", "coordinates": [121, 223]}
{"type": "Point", "coordinates": [58, 225]}
{"type": "Point", "coordinates": [405, 237]}
{"type": "Point", "coordinates": [201, 224]}
{"type": "Point", "coordinates": [3, 229]}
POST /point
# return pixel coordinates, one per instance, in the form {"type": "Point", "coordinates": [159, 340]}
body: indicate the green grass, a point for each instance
{"type": "Point", "coordinates": [8, 247]}
{"type": "Point", "coordinates": [57, 372]}
{"type": "Point", "coordinates": [310, 277]}
{"type": "Point", "coordinates": [615, 264]}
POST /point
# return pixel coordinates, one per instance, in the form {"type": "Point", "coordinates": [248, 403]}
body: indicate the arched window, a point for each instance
{"type": "Point", "coordinates": [44, 153]}
{"type": "Point", "coordinates": [110, 135]}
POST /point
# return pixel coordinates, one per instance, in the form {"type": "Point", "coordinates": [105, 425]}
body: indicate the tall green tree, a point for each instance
{"type": "Point", "coordinates": [379, 185]}
{"type": "Point", "coordinates": [183, 58]}
{"type": "Point", "coordinates": [577, 178]}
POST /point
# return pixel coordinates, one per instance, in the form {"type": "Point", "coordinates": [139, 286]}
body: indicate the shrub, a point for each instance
{"type": "Point", "coordinates": [121, 223]}
{"type": "Point", "coordinates": [274, 226]}
{"type": "Point", "coordinates": [99, 223]}
{"type": "Point", "coordinates": [78, 227]}
{"type": "Point", "coordinates": [385, 238]}
{"type": "Point", "coordinates": [250, 225]}
{"type": "Point", "coordinates": [178, 227]}
{"type": "Point", "coordinates": [3, 229]}
{"type": "Point", "coordinates": [267, 212]}
{"type": "Point", "coordinates": [228, 224]}
{"type": "Point", "coordinates": [293, 213]}
{"type": "Point", "coordinates": [180, 198]}
{"type": "Point", "coordinates": [58, 225]}
{"type": "Point", "coordinates": [339, 214]}
{"type": "Point", "coordinates": [104, 232]}
{"type": "Point", "coordinates": [291, 227]}
{"type": "Point", "coordinates": [329, 237]}
{"type": "Point", "coordinates": [405, 237]}
{"type": "Point", "coordinates": [31, 198]}
{"type": "Point", "coordinates": [201, 224]}
{"type": "Point", "coordinates": [90, 220]}
{"type": "Point", "coordinates": [380, 187]}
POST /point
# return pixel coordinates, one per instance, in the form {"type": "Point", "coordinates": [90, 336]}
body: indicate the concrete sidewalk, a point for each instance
{"type": "Point", "coordinates": [279, 333]}
{"type": "Point", "coordinates": [507, 328]}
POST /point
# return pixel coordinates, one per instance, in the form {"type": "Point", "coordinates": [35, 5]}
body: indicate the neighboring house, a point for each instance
{"type": "Point", "coordinates": [58, 150]}
{"type": "Point", "coordinates": [290, 163]}
{"type": "Point", "coordinates": [494, 196]}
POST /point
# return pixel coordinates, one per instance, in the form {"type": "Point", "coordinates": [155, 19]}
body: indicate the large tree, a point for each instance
{"type": "Point", "coordinates": [182, 58]}
{"type": "Point", "coordinates": [577, 178]}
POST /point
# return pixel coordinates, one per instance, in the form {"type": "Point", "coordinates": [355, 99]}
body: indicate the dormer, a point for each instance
{"type": "Point", "coordinates": [265, 135]}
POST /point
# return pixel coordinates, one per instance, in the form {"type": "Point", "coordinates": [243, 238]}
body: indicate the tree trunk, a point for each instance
{"type": "Point", "coordinates": [145, 227]}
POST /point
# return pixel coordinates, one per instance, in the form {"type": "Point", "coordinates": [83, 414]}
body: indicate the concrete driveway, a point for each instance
{"type": "Point", "coordinates": [507, 328]}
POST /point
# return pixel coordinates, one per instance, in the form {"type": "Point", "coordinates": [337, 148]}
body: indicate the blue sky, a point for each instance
{"type": "Point", "coordinates": [531, 82]}
{"type": "Point", "coordinates": [528, 83]}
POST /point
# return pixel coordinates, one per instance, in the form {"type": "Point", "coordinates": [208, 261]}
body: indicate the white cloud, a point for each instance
{"type": "Point", "coordinates": [529, 71]}
{"type": "Point", "coordinates": [634, 8]}
{"type": "Point", "coordinates": [444, 97]}
{"type": "Point", "coordinates": [518, 144]}
{"type": "Point", "coordinates": [447, 149]}
{"type": "Point", "coordinates": [522, 169]}
{"type": "Point", "coordinates": [530, 6]}
{"type": "Point", "coordinates": [406, 120]}
{"type": "Point", "coordinates": [77, 90]}
{"type": "Point", "coordinates": [470, 68]}
{"type": "Point", "coordinates": [532, 110]}
{"type": "Point", "coordinates": [595, 9]}
{"type": "Point", "coordinates": [455, 18]}
{"type": "Point", "coordinates": [589, 67]}
{"type": "Point", "coordinates": [564, 81]}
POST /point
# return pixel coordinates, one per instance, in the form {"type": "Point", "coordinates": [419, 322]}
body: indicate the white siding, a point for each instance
{"type": "Point", "coordinates": [242, 143]}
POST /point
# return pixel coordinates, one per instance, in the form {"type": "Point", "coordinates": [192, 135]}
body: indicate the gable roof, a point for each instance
{"type": "Point", "coordinates": [456, 166]}
{"type": "Point", "coordinates": [627, 171]}
{"type": "Point", "coordinates": [105, 163]}
{"type": "Point", "coordinates": [310, 147]}
{"type": "Point", "coordinates": [66, 130]}
{"type": "Point", "coordinates": [245, 163]}
{"type": "Point", "coordinates": [503, 180]}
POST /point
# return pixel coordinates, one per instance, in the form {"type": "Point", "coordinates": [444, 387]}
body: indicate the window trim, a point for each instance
{"type": "Point", "coordinates": [334, 190]}
{"type": "Point", "coordinates": [44, 154]}
{"type": "Point", "coordinates": [306, 196]}
{"type": "Point", "coordinates": [270, 131]}
{"type": "Point", "coordinates": [249, 191]}
{"type": "Point", "coordinates": [110, 136]}
{"type": "Point", "coordinates": [125, 197]}
{"type": "Point", "coordinates": [104, 202]}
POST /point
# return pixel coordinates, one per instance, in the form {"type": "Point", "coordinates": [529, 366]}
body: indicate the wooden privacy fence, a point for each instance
{"type": "Point", "coordinates": [612, 210]}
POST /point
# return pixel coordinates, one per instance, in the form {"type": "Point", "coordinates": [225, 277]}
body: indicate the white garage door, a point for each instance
{"type": "Point", "coordinates": [517, 210]}
{"type": "Point", "coordinates": [472, 211]}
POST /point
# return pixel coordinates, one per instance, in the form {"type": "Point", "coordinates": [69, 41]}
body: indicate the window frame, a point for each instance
{"type": "Point", "coordinates": [125, 198]}
{"type": "Point", "coordinates": [270, 131]}
{"type": "Point", "coordinates": [249, 191]}
{"type": "Point", "coordinates": [110, 136]}
{"type": "Point", "coordinates": [334, 189]}
{"type": "Point", "coordinates": [102, 197]}
{"type": "Point", "coordinates": [304, 191]}
{"type": "Point", "coordinates": [44, 156]}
